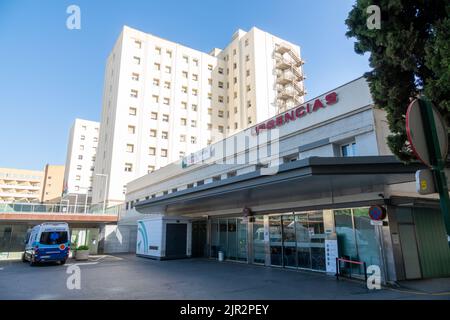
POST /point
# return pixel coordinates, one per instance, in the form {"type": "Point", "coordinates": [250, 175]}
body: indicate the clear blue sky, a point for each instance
{"type": "Point", "coordinates": [50, 75]}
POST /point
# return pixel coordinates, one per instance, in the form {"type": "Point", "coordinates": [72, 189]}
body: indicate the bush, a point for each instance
{"type": "Point", "coordinates": [83, 248]}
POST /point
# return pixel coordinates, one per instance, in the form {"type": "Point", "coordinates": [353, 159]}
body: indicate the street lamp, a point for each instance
{"type": "Point", "coordinates": [106, 185]}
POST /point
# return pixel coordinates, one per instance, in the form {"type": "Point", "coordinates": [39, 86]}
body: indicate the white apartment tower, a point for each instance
{"type": "Point", "coordinates": [80, 160]}
{"type": "Point", "coordinates": [163, 100]}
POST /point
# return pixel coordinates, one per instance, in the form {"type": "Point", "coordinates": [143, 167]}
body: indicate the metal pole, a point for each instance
{"type": "Point", "coordinates": [438, 164]}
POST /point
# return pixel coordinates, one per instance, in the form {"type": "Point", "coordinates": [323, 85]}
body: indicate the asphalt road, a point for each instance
{"type": "Point", "coordinates": [130, 277]}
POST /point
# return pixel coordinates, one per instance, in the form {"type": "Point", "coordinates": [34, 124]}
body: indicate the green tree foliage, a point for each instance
{"type": "Point", "coordinates": [409, 55]}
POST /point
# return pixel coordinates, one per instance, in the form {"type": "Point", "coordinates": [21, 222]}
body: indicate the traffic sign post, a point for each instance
{"type": "Point", "coordinates": [428, 136]}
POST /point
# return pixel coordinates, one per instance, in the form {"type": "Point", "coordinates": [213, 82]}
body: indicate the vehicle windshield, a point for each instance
{"type": "Point", "coordinates": [53, 237]}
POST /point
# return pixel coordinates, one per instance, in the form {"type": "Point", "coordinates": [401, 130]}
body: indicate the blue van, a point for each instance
{"type": "Point", "coordinates": [46, 242]}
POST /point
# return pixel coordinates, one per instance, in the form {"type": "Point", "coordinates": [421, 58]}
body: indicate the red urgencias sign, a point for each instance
{"type": "Point", "coordinates": [298, 112]}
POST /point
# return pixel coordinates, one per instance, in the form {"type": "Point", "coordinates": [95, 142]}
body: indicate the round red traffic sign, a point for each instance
{"type": "Point", "coordinates": [377, 213]}
{"type": "Point", "coordinates": [416, 134]}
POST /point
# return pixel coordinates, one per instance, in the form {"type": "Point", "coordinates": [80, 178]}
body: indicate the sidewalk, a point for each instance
{"type": "Point", "coordinates": [427, 286]}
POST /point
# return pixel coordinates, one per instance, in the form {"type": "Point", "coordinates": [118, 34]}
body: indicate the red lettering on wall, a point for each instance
{"type": "Point", "coordinates": [289, 116]}
{"type": "Point", "coordinates": [331, 98]}
{"type": "Point", "coordinates": [317, 105]}
{"type": "Point", "coordinates": [300, 112]}
{"type": "Point", "coordinates": [279, 121]}
{"type": "Point", "coordinates": [270, 124]}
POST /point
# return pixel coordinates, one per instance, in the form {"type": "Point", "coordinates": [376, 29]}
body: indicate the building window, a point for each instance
{"type": "Point", "coordinates": [152, 133]}
{"type": "Point", "coordinates": [150, 169]}
{"type": "Point", "coordinates": [182, 138]}
{"type": "Point", "coordinates": [165, 118]}
{"type": "Point", "coordinates": [137, 60]}
{"type": "Point", "coordinates": [193, 140]}
{"type": "Point", "coordinates": [210, 67]}
{"type": "Point", "coordinates": [183, 105]}
{"type": "Point", "coordinates": [168, 69]}
{"type": "Point", "coordinates": [165, 135]}
{"type": "Point", "coordinates": [194, 92]}
{"type": "Point", "coordinates": [186, 59]}
{"type": "Point", "coordinates": [249, 88]}
{"type": "Point", "coordinates": [183, 121]}
{"type": "Point", "coordinates": [235, 80]}
{"type": "Point", "coordinates": [185, 74]}
{"type": "Point", "coordinates": [348, 150]}
{"type": "Point", "coordinates": [80, 157]}
{"type": "Point", "coordinates": [220, 113]}
{"type": "Point", "coordinates": [209, 110]}
{"type": "Point", "coordinates": [131, 129]}
{"type": "Point", "coordinates": [157, 66]}
{"type": "Point", "coordinates": [216, 178]}
{"type": "Point", "coordinates": [194, 107]}
{"type": "Point", "coordinates": [220, 128]}
{"type": "Point", "coordinates": [156, 82]}
{"type": "Point", "coordinates": [246, 42]}
{"type": "Point", "coordinates": [158, 50]}
{"type": "Point", "coordinates": [235, 125]}
{"type": "Point", "coordinates": [137, 43]}
{"type": "Point", "coordinates": [210, 82]}
{"type": "Point", "coordinates": [209, 126]}
{"type": "Point", "coordinates": [235, 110]}
{"type": "Point", "coordinates": [249, 104]}
{"type": "Point", "coordinates": [169, 54]}
{"type": "Point", "coordinates": [166, 85]}
{"type": "Point", "coordinates": [81, 147]}
{"type": "Point", "coordinates": [235, 95]}
{"type": "Point", "coordinates": [209, 96]}
{"type": "Point", "coordinates": [247, 73]}
{"type": "Point", "coordinates": [135, 76]}
{"type": "Point", "coordinates": [184, 89]}
{"type": "Point", "coordinates": [193, 123]}
{"type": "Point", "coordinates": [249, 120]}
{"type": "Point", "coordinates": [133, 93]}
{"type": "Point", "coordinates": [130, 148]}
{"type": "Point", "coordinates": [195, 62]}
{"type": "Point", "coordinates": [151, 151]}
{"type": "Point", "coordinates": [154, 116]}
{"type": "Point", "coordinates": [220, 71]}
{"type": "Point", "coordinates": [195, 77]}
{"type": "Point", "coordinates": [78, 178]}
{"type": "Point", "coordinates": [234, 65]}
{"type": "Point", "coordinates": [79, 167]}
{"type": "Point", "coordinates": [220, 99]}
{"type": "Point", "coordinates": [155, 99]}
{"type": "Point", "coordinates": [83, 137]}
{"type": "Point", "coordinates": [166, 101]}
{"type": "Point", "coordinates": [247, 58]}
{"type": "Point", "coordinates": [164, 153]}
{"type": "Point", "coordinates": [128, 167]}
{"type": "Point", "coordinates": [220, 84]}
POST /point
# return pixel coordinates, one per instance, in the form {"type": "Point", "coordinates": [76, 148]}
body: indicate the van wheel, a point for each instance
{"type": "Point", "coordinates": [62, 262]}
{"type": "Point", "coordinates": [32, 261]}
{"type": "Point", "coordinates": [23, 257]}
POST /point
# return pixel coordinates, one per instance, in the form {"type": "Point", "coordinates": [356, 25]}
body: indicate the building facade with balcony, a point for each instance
{"type": "Point", "coordinates": [17, 185]}
{"type": "Point", "coordinates": [163, 100]}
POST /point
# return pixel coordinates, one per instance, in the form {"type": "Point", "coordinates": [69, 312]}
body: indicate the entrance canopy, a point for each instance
{"type": "Point", "coordinates": [312, 183]}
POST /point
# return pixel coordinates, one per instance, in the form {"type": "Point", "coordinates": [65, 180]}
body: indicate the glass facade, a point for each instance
{"type": "Point", "coordinates": [297, 239]}
{"type": "Point", "coordinates": [229, 235]}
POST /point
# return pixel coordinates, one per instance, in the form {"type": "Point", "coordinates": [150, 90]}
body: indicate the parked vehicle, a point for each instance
{"type": "Point", "coordinates": [46, 242]}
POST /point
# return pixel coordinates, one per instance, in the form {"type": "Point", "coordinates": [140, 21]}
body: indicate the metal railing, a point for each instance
{"type": "Point", "coordinates": [56, 208]}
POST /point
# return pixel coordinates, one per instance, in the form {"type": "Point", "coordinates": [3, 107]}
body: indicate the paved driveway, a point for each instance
{"type": "Point", "coordinates": [130, 277]}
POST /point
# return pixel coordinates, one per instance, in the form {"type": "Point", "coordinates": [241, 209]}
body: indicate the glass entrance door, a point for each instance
{"type": "Point", "coordinates": [259, 255]}
{"type": "Point", "coordinates": [303, 240]}
{"type": "Point", "coordinates": [289, 243]}
{"type": "Point", "coordinates": [275, 241]}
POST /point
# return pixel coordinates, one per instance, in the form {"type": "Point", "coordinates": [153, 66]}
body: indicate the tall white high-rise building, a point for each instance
{"type": "Point", "coordinates": [80, 160]}
{"type": "Point", "coordinates": [163, 100]}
